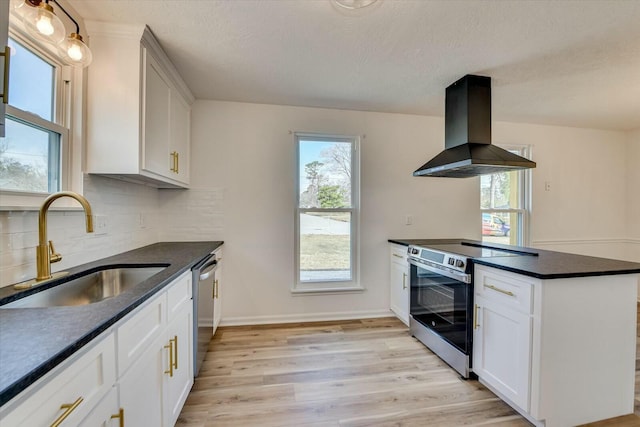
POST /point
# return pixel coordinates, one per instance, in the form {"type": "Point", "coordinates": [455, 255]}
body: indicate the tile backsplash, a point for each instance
{"type": "Point", "coordinates": [132, 215]}
{"type": "Point", "coordinates": [129, 213]}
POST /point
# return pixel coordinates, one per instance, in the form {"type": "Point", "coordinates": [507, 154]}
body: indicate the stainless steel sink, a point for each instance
{"type": "Point", "coordinates": [93, 287]}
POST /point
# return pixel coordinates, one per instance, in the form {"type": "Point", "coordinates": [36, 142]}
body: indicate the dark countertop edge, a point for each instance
{"type": "Point", "coordinates": [555, 275]}
{"type": "Point", "coordinates": [531, 251]}
{"type": "Point", "coordinates": [40, 371]}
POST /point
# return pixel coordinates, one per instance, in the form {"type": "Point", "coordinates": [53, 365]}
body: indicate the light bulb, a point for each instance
{"type": "Point", "coordinates": [44, 25]}
{"type": "Point", "coordinates": [75, 52]}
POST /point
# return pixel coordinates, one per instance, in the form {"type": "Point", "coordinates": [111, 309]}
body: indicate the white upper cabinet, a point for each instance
{"type": "Point", "coordinates": [138, 109]}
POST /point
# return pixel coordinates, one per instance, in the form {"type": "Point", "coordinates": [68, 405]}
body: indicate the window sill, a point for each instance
{"type": "Point", "coordinates": [13, 202]}
{"type": "Point", "coordinates": [326, 290]}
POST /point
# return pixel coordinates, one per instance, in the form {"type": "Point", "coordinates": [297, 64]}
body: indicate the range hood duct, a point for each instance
{"type": "Point", "coordinates": [467, 134]}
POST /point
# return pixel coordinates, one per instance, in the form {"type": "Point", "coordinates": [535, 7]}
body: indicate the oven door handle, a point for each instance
{"type": "Point", "coordinates": [462, 277]}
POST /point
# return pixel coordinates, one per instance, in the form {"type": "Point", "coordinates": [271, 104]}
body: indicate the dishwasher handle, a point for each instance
{"type": "Point", "coordinates": [207, 270]}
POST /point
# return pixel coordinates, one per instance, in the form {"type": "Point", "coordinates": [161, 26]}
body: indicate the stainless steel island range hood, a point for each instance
{"type": "Point", "coordinates": [468, 150]}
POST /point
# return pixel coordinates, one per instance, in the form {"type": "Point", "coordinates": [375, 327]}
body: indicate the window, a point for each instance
{"type": "Point", "coordinates": [326, 212]}
{"type": "Point", "coordinates": [505, 204]}
{"type": "Point", "coordinates": [32, 153]}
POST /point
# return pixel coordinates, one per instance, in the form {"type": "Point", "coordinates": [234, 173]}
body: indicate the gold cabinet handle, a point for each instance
{"type": "Point", "coordinates": [174, 162]}
{"type": "Point", "coordinates": [5, 84]}
{"type": "Point", "coordinates": [215, 289]}
{"type": "Point", "coordinates": [119, 415]}
{"type": "Point", "coordinates": [175, 349]}
{"type": "Point", "coordinates": [170, 348]}
{"type": "Point", "coordinates": [69, 408]}
{"type": "Point", "coordinates": [177, 162]}
{"type": "Point", "coordinates": [475, 317]}
{"type": "Point", "coordinates": [502, 291]}
{"type": "Point", "coordinates": [398, 256]}
{"type": "Point", "coordinates": [404, 281]}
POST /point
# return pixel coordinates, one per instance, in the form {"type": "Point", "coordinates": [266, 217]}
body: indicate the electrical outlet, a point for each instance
{"type": "Point", "coordinates": [100, 224]}
{"type": "Point", "coordinates": [547, 186]}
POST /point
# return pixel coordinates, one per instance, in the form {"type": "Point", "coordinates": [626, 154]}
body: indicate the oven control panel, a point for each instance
{"type": "Point", "coordinates": [446, 260]}
{"type": "Point", "coordinates": [455, 262]}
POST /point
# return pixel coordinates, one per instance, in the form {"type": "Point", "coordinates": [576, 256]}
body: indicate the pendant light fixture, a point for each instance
{"type": "Point", "coordinates": [41, 22]}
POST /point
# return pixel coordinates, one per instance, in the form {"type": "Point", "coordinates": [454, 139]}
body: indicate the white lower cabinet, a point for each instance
{"type": "Point", "coordinates": [217, 286]}
{"type": "Point", "coordinates": [149, 387]}
{"type": "Point", "coordinates": [559, 351]}
{"type": "Point", "coordinates": [399, 282]}
{"type": "Point", "coordinates": [180, 378]}
{"type": "Point", "coordinates": [502, 353]}
{"type": "Point", "coordinates": [154, 389]}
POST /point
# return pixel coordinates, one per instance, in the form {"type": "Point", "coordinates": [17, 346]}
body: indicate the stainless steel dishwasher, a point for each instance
{"type": "Point", "coordinates": [203, 280]}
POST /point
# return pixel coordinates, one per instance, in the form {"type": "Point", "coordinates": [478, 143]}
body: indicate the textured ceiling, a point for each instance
{"type": "Point", "coordinates": [573, 63]}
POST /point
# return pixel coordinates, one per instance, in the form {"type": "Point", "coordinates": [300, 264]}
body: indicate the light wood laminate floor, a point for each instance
{"type": "Point", "coordinates": [347, 373]}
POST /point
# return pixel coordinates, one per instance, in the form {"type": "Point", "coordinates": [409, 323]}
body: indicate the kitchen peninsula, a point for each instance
{"type": "Point", "coordinates": [553, 334]}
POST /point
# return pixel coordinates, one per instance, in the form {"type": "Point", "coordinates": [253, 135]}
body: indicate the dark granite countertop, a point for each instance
{"type": "Point", "coordinates": [35, 340]}
{"type": "Point", "coordinates": [544, 265]}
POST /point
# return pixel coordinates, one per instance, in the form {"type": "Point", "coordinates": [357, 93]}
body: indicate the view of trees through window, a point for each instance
{"type": "Point", "coordinates": [502, 202]}
{"type": "Point", "coordinates": [30, 151]}
{"type": "Point", "coordinates": [325, 209]}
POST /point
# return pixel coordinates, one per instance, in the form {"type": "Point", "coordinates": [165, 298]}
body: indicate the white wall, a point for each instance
{"type": "Point", "coordinates": [585, 210]}
{"type": "Point", "coordinates": [119, 202]}
{"type": "Point", "coordinates": [244, 154]}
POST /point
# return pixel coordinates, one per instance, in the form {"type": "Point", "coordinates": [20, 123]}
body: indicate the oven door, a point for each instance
{"type": "Point", "coordinates": [441, 301]}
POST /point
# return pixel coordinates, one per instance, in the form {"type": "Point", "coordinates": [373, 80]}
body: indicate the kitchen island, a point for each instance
{"type": "Point", "coordinates": [554, 334]}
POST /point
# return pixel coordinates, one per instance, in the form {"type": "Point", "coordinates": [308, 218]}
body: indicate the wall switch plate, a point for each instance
{"type": "Point", "coordinates": [100, 224]}
{"type": "Point", "coordinates": [408, 220]}
{"type": "Point", "coordinates": [142, 220]}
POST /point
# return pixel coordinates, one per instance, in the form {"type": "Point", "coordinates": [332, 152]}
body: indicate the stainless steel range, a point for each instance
{"type": "Point", "coordinates": [441, 310]}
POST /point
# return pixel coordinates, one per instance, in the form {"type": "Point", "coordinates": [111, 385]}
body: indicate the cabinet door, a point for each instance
{"type": "Point", "coordinates": [502, 349]}
{"type": "Point", "coordinates": [180, 137]}
{"type": "Point", "coordinates": [4, 33]}
{"type": "Point", "coordinates": [141, 388]}
{"type": "Point", "coordinates": [156, 156]}
{"type": "Point", "coordinates": [217, 291]}
{"type": "Point", "coordinates": [399, 283]}
{"type": "Point", "coordinates": [178, 385]}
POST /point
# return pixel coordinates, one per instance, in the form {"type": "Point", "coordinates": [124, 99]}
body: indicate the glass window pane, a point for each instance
{"type": "Point", "coordinates": [501, 227]}
{"type": "Point", "coordinates": [325, 246]}
{"type": "Point", "coordinates": [32, 82]}
{"type": "Point", "coordinates": [500, 190]}
{"type": "Point", "coordinates": [29, 158]}
{"type": "Point", "coordinates": [325, 174]}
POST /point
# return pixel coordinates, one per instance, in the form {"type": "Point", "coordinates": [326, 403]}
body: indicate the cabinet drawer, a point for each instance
{"type": "Point", "coordinates": [504, 288]}
{"type": "Point", "coordinates": [79, 387]}
{"type": "Point", "coordinates": [137, 333]}
{"type": "Point", "coordinates": [398, 253]}
{"type": "Point", "coordinates": [179, 292]}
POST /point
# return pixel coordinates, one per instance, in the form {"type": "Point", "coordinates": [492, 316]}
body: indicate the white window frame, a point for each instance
{"type": "Point", "coordinates": [330, 286]}
{"type": "Point", "coordinates": [64, 100]}
{"type": "Point", "coordinates": [524, 197]}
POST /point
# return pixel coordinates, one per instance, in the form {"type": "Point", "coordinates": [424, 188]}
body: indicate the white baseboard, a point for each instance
{"type": "Point", "coordinates": [303, 317]}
